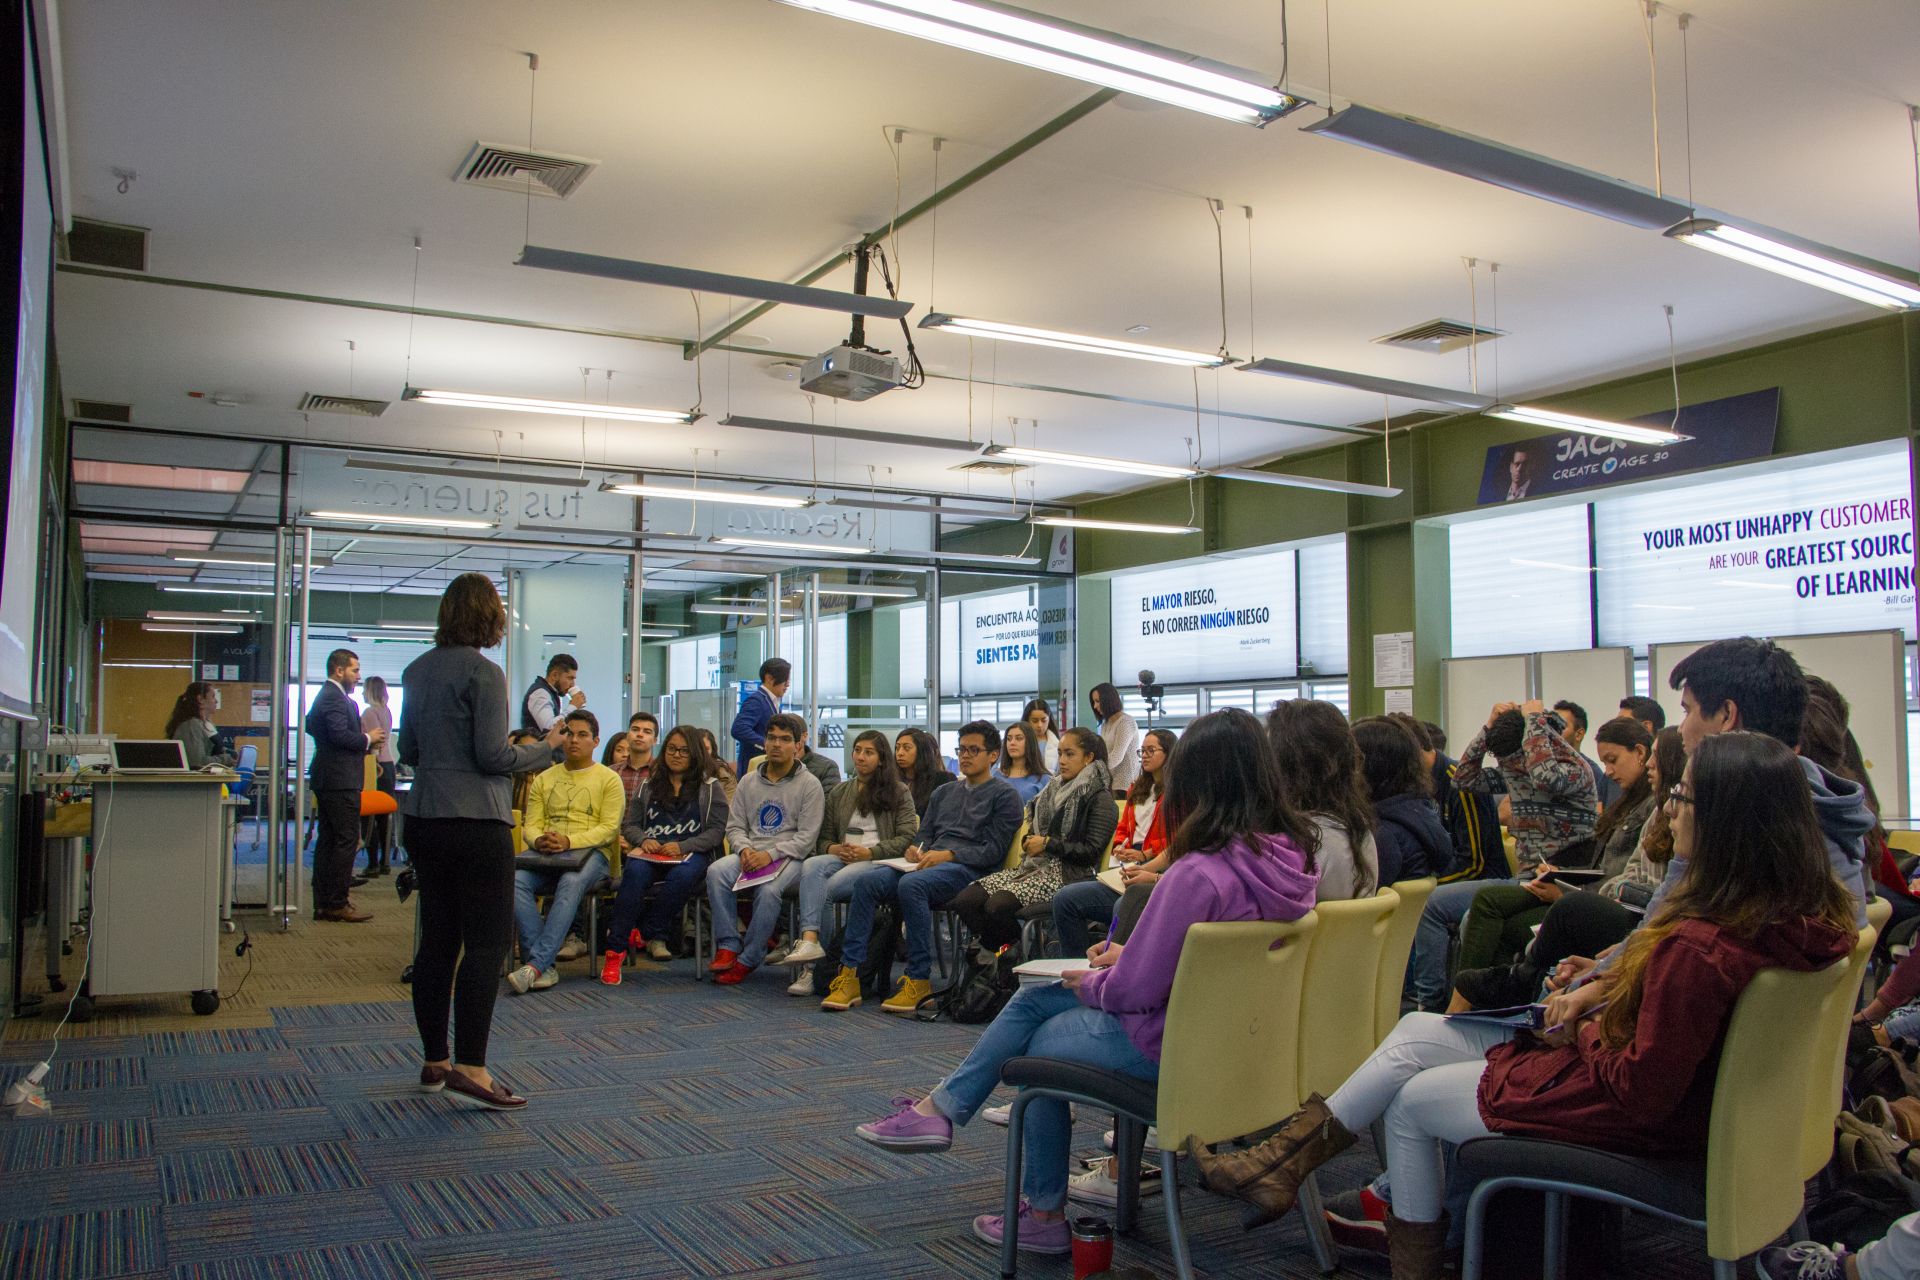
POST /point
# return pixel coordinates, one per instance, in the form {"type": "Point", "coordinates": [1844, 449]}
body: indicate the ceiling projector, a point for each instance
{"type": "Point", "coordinates": [850, 373]}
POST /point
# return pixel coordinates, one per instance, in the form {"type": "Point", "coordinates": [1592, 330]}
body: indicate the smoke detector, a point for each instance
{"type": "Point", "coordinates": [784, 370]}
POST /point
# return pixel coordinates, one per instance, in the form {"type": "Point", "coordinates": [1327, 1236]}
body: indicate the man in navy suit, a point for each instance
{"type": "Point", "coordinates": [337, 775]}
{"type": "Point", "coordinates": [758, 711]}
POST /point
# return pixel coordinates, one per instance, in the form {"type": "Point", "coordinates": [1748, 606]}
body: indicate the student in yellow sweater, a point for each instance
{"type": "Point", "coordinates": [574, 806]}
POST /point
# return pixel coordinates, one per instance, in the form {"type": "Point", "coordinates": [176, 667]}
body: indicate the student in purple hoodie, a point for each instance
{"type": "Point", "coordinates": [1252, 858]}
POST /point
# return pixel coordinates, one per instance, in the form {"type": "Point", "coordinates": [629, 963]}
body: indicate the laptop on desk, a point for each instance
{"type": "Point", "coordinates": [155, 757]}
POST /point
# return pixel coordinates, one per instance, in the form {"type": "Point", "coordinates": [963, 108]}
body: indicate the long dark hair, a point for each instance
{"type": "Point", "coordinates": [927, 765]}
{"type": "Point", "coordinates": [187, 706]}
{"type": "Point", "coordinates": [1033, 758]}
{"type": "Point", "coordinates": [699, 768]}
{"type": "Point", "coordinates": [1758, 859]}
{"type": "Point", "coordinates": [886, 776]}
{"type": "Point", "coordinates": [1628, 735]}
{"type": "Point", "coordinates": [613, 744]}
{"type": "Point", "coordinates": [1222, 783]}
{"type": "Point", "coordinates": [1105, 701]}
{"type": "Point", "coordinates": [1148, 785]}
{"type": "Point", "coordinates": [1320, 763]}
{"type": "Point", "coordinates": [1670, 758]}
{"type": "Point", "coordinates": [1040, 705]}
{"type": "Point", "coordinates": [1390, 760]}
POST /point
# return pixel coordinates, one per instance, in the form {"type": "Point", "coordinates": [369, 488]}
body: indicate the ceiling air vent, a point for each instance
{"type": "Point", "coordinates": [103, 411]}
{"type": "Point", "coordinates": [1437, 337]}
{"type": "Point", "coordinates": [107, 244]}
{"type": "Point", "coordinates": [517, 169]}
{"type": "Point", "coordinates": [990, 467]}
{"type": "Point", "coordinates": [347, 406]}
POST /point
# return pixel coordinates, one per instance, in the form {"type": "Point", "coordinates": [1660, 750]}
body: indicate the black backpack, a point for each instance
{"type": "Point", "coordinates": [982, 991]}
{"type": "Point", "coordinates": [876, 972]}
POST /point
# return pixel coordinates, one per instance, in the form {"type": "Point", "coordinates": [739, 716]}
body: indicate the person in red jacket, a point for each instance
{"type": "Point", "coordinates": [1635, 1074]}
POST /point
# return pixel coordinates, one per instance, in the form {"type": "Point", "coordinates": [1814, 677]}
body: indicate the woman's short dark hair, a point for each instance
{"type": "Point", "coordinates": [1105, 700]}
{"type": "Point", "coordinates": [471, 614]}
{"type": "Point", "coordinates": [1320, 764]}
{"type": "Point", "coordinates": [1390, 759]}
{"type": "Point", "coordinates": [1223, 783]}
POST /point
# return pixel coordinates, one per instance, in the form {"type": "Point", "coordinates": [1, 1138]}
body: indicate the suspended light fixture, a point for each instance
{"type": "Point", "coordinates": [738, 498]}
{"type": "Point", "coordinates": [1068, 49]}
{"type": "Point", "coordinates": [232, 558]}
{"type": "Point", "coordinates": [552, 408]}
{"type": "Point", "coordinates": [226, 619]}
{"type": "Point", "coordinates": [731, 610]}
{"type": "Point", "coordinates": [1367, 382]}
{"type": "Point", "coordinates": [188, 628]}
{"type": "Point", "coordinates": [374, 517]}
{"type": "Point", "coordinates": [774, 544]}
{"type": "Point", "coordinates": [1854, 277]}
{"type": "Point", "coordinates": [1552, 418]}
{"type": "Point", "coordinates": [1090, 462]}
{"type": "Point", "coordinates": [1309, 482]}
{"type": "Point", "coordinates": [655, 633]}
{"type": "Point", "coordinates": [1072, 341]}
{"type": "Point", "coordinates": [1118, 526]}
{"type": "Point", "coordinates": [217, 591]}
{"type": "Point", "coordinates": [878, 591]}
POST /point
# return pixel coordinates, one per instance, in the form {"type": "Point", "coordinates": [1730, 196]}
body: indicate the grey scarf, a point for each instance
{"type": "Point", "coordinates": [1068, 800]}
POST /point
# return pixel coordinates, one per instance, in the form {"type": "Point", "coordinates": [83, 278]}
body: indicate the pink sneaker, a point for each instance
{"type": "Point", "coordinates": [1035, 1236]}
{"type": "Point", "coordinates": [908, 1130]}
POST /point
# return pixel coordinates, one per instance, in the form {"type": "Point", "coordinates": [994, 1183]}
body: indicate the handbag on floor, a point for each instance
{"type": "Point", "coordinates": [981, 993]}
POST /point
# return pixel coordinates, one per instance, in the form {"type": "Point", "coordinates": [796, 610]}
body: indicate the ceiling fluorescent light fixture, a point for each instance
{"type": "Point", "coordinates": [372, 637]}
{"type": "Point", "coordinates": [1290, 481]}
{"type": "Point", "coordinates": [375, 517]}
{"type": "Point", "coordinates": [1072, 341]}
{"type": "Point", "coordinates": [878, 591]}
{"type": "Point", "coordinates": [975, 557]}
{"type": "Point", "coordinates": [1557, 421]}
{"type": "Point", "coordinates": [468, 473]}
{"type": "Point", "coordinates": [774, 544]}
{"type": "Point", "coordinates": [1491, 162]}
{"type": "Point", "coordinates": [212, 557]}
{"type": "Point", "coordinates": [740, 610]}
{"type": "Point", "coordinates": [1068, 49]}
{"type": "Point", "coordinates": [152, 666]}
{"type": "Point", "coordinates": [166, 615]}
{"type": "Point", "coordinates": [188, 628]}
{"type": "Point", "coordinates": [1367, 382]}
{"type": "Point", "coordinates": [1116, 526]}
{"type": "Point", "coordinates": [654, 633]}
{"type": "Point", "coordinates": [217, 591]}
{"type": "Point", "coordinates": [656, 273]}
{"type": "Point", "coordinates": [1801, 260]}
{"type": "Point", "coordinates": [738, 498]}
{"type": "Point", "coordinates": [553, 408]}
{"type": "Point", "coordinates": [1090, 462]}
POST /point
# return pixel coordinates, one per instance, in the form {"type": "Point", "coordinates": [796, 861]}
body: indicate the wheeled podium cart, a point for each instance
{"type": "Point", "coordinates": [159, 849]}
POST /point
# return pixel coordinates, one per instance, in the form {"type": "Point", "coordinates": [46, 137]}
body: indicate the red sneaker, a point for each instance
{"type": "Point", "coordinates": [610, 968]}
{"type": "Point", "coordinates": [724, 960]}
{"type": "Point", "coordinates": [1358, 1220]}
{"type": "Point", "coordinates": [735, 973]}
{"type": "Point", "coordinates": [634, 941]}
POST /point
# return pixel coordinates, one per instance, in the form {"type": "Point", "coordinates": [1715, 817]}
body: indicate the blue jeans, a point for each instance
{"type": "Point", "coordinates": [1904, 1023]}
{"type": "Point", "coordinates": [824, 879]}
{"type": "Point", "coordinates": [1427, 966]}
{"type": "Point", "coordinates": [676, 885]}
{"type": "Point", "coordinates": [1041, 1022]}
{"type": "Point", "coordinates": [768, 899]}
{"type": "Point", "coordinates": [540, 939]}
{"type": "Point", "coordinates": [1076, 909]}
{"type": "Point", "coordinates": [918, 894]}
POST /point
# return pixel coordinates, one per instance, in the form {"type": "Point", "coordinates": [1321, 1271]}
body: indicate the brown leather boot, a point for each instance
{"type": "Point", "coordinates": [1416, 1249]}
{"type": "Point", "coordinates": [1268, 1176]}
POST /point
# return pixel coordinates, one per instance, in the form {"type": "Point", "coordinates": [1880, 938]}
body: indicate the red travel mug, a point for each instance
{"type": "Point", "coordinates": [1092, 1247]}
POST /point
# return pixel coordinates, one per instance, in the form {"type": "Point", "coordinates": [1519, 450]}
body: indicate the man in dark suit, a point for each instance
{"type": "Point", "coordinates": [337, 775]}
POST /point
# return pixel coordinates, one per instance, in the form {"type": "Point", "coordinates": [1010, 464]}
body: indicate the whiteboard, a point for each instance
{"type": "Point", "coordinates": [1470, 686]}
{"type": "Point", "coordinates": [1595, 678]}
{"type": "Point", "coordinates": [1661, 660]}
{"type": "Point", "coordinates": [1869, 669]}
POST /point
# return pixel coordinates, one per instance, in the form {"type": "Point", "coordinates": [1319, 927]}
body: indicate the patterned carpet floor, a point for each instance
{"type": "Point", "coordinates": [676, 1130]}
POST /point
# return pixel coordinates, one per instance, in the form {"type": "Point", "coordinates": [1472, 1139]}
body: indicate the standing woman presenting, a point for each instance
{"type": "Point", "coordinates": [1121, 733]}
{"type": "Point", "coordinates": [379, 834]}
{"type": "Point", "coordinates": [460, 835]}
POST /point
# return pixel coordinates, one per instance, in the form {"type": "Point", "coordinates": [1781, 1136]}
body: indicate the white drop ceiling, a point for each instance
{"type": "Point", "coordinates": [301, 149]}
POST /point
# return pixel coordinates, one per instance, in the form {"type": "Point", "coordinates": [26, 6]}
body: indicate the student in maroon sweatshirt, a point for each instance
{"type": "Point", "coordinates": [1634, 1075]}
{"type": "Point", "coordinates": [1239, 851]}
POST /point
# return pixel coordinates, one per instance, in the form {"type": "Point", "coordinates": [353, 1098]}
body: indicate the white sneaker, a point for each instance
{"type": "Point", "coordinates": [547, 978]}
{"type": "Point", "coordinates": [658, 950]}
{"type": "Point", "coordinates": [522, 979]}
{"type": "Point", "coordinates": [806, 951]}
{"type": "Point", "coordinates": [1097, 1185]}
{"type": "Point", "coordinates": [1003, 1116]}
{"type": "Point", "coordinates": [1153, 1139]}
{"type": "Point", "coordinates": [777, 956]}
{"type": "Point", "coordinates": [802, 985]}
{"type": "Point", "coordinates": [571, 949]}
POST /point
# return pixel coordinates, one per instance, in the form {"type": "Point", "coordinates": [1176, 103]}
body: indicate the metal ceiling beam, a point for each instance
{"type": "Point", "coordinates": [986, 168]}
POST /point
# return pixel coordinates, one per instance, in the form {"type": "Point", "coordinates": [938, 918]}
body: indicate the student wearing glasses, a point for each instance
{"type": "Point", "coordinates": [673, 826]}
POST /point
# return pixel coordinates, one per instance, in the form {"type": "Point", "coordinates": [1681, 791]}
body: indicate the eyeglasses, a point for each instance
{"type": "Point", "coordinates": [1680, 795]}
{"type": "Point", "coordinates": [675, 749]}
{"type": "Point", "coordinates": [964, 750]}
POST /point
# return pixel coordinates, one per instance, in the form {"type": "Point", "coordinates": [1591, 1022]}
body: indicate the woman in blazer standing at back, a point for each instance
{"type": "Point", "coordinates": [460, 836]}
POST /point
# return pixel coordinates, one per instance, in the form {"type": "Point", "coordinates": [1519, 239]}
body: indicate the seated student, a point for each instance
{"type": "Point", "coordinates": [775, 817]}
{"type": "Point", "coordinates": [868, 817]}
{"type": "Point", "coordinates": [1502, 920]}
{"type": "Point", "coordinates": [680, 812]}
{"type": "Point", "coordinates": [825, 771]}
{"type": "Point", "coordinates": [1022, 766]}
{"type": "Point", "coordinates": [1826, 740]}
{"type": "Point", "coordinates": [614, 754]}
{"type": "Point", "coordinates": [1139, 841]}
{"type": "Point", "coordinates": [1574, 717]}
{"type": "Point", "coordinates": [1635, 1077]}
{"type": "Point", "coordinates": [1039, 718]}
{"type": "Point", "coordinates": [643, 727]}
{"type": "Point", "coordinates": [964, 834]}
{"type": "Point", "coordinates": [717, 764]}
{"type": "Point", "coordinates": [1551, 798]}
{"type": "Point", "coordinates": [1472, 819]}
{"type": "Point", "coordinates": [522, 782]}
{"type": "Point", "coordinates": [1410, 839]}
{"type": "Point", "coordinates": [1321, 766]}
{"type": "Point", "coordinates": [917, 756]}
{"type": "Point", "coordinates": [1239, 852]}
{"type": "Point", "coordinates": [1646, 711]}
{"type": "Point", "coordinates": [575, 804]}
{"type": "Point", "coordinates": [1070, 827]}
